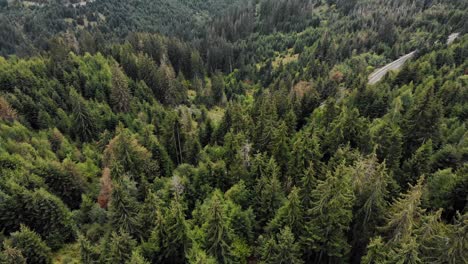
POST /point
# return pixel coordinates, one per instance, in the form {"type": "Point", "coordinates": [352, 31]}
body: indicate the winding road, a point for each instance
{"type": "Point", "coordinates": [378, 74]}
{"type": "Point", "coordinates": [395, 65]}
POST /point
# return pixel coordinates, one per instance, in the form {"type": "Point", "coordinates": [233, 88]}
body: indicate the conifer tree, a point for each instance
{"type": "Point", "coordinates": [371, 187]}
{"type": "Point", "coordinates": [123, 210]}
{"type": "Point", "coordinates": [176, 241]}
{"type": "Point", "coordinates": [305, 153]}
{"type": "Point", "coordinates": [404, 214]}
{"type": "Point", "coordinates": [84, 122]}
{"type": "Point", "coordinates": [11, 255]}
{"type": "Point", "coordinates": [31, 246]}
{"type": "Point", "coordinates": [291, 214]}
{"type": "Point", "coordinates": [120, 94]}
{"type": "Point", "coordinates": [125, 156]}
{"type": "Point", "coordinates": [389, 144]}
{"type": "Point", "coordinates": [422, 121]}
{"type": "Point", "coordinates": [137, 259]}
{"type": "Point", "coordinates": [88, 252]}
{"type": "Point", "coordinates": [121, 247]}
{"type": "Point", "coordinates": [457, 248]}
{"type": "Point", "coordinates": [419, 164]}
{"type": "Point", "coordinates": [326, 231]}
{"type": "Point", "coordinates": [281, 248]}
{"type": "Point", "coordinates": [217, 229]}
{"type": "Point", "coordinates": [269, 193]}
{"type": "Point", "coordinates": [308, 183]}
{"type": "Point", "coordinates": [376, 252]}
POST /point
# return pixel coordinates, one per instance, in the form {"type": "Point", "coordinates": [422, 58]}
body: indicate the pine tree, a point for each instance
{"type": "Point", "coordinates": [406, 252]}
{"type": "Point", "coordinates": [281, 248]}
{"type": "Point", "coordinates": [12, 255]}
{"type": "Point", "coordinates": [84, 122]}
{"type": "Point", "coordinates": [432, 237]}
{"type": "Point", "coordinates": [269, 194]}
{"type": "Point", "coordinates": [330, 217]}
{"type": "Point", "coordinates": [280, 147]}
{"type": "Point", "coordinates": [422, 121]}
{"type": "Point", "coordinates": [176, 241]}
{"type": "Point", "coordinates": [308, 183]}
{"type": "Point", "coordinates": [88, 252]}
{"type": "Point", "coordinates": [305, 155]}
{"type": "Point", "coordinates": [123, 210]}
{"type": "Point", "coordinates": [291, 214]}
{"type": "Point", "coordinates": [217, 230]}
{"type": "Point", "coordinates": [31, 246]}
{"type": "Point", "coordinates": [371, 186]}
{"type": "Point", "coordinates": [121, 247]}
{"type": "Point", "coordinates": [376, 252]}
{"type": "Point", "coordinates": [125, 156]}
{"type": "Point", "coordinates": [457, 248]}
{"type": "Point", "coordinates": [404, 214]}
{"type": "Point", "coordinates": [120, 94]}
{"type": "Point", "coordinates": [389, 144]}
{"type": "Point", "coordinates": [419, 164]}
{"type": "Point", "coordinates": [137, 259]}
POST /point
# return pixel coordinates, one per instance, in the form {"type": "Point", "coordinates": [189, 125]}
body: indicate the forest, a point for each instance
{"type": "Point", "coordinates": [233, 131]}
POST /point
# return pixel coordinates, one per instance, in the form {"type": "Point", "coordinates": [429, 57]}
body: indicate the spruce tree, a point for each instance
{"type": "Point", "coordinates": [123, 210]}
{"type": "Point", "coordinates": [121, 247]}
{"type": "Point", "coordinates": [217, 229]}
{"type": "Point", "coordinates": [281, 248]}
{"type": "Point", "coordinates": [84, 122]}
{"type": "Point", "coordinates": [422, 121]}
{"type": "Point", "coordinates": [120, 94]}
{"type": "Point", "coordinates": [31, 246]}
{"type": "Point", "coordinates": [269, 194]}
{"type": "Point", "coordinates": [330, 218]}
{"type": "Point", "coordinates": [291, 214]}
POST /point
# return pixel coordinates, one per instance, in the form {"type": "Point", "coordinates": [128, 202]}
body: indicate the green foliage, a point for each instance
{"type": "Point", "coordinates": [330, 217]}
{"type": "Point", "coordinates": [31, 246]}
{"type": "Point", "coordinates": [281, 248]}
{"type": "Point", "coordinates": [243, 131]}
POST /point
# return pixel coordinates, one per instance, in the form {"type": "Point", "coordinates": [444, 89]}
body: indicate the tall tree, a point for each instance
{"type": "Point", "coordinates": [422, 121]}
{"type": "Point", "coordinates": [281, 248]}
{"type": "Point", "coordinates": [120, 94]}
{"type": "Point", "coordinates": [325, 236]}
{"type": "Point", "coordinates": [84, 122]}
{"type": "Point", "coordinates": [217, 229]}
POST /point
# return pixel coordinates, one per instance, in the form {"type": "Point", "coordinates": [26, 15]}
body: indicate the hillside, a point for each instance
{"type": "Point", "coordinates": [190, 131]}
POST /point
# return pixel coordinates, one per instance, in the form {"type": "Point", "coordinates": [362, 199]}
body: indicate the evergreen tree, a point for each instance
{"type": "Point", "coordinates": [120, 93]}
{"type": "Point", "coordinates": [31, 246]}
{"type": "Point", "coordinates": [137, 259]}
{"type": "Point", "coordinates": [84, 122]}
{"type": "Point", "coordinates": [419, 164]}
{"type": "Point", "coordinates": [12, 255]}
{"type": "Point", "coordinates": [404, 214]}
{"type": "Point", "coordinates": [123, 210]}
{"type": "Point", "coordinates": [176, 241]}
{"type": "Point", "coordinates": [217, 229]}
{"type": "Point", "coordinates": [291, 214]}
{"type": "Point", "coordinates": [326, 231]}
{"type": "Point", "coordinates": [281, 248]}
{"type": "Point", "coordinates": [422, 121]}
{"type": "Point", "coordinates": [269, 192]}
{"type": "Point", "coordinates": [371, 187]}
{"type": "Point", "coordinates": [376, 252]}
{"type": "Point", "coordinates": [121, 247]}
{"type": "Point", "coordinates": [88, 252]}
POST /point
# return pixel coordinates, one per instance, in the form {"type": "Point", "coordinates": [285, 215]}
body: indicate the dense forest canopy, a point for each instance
{"type": "Point", "coordinates": [233, 131]}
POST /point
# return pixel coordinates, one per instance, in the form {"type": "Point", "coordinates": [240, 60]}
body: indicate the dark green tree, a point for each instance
{"type": "Point", "coordinates": [31, 246]}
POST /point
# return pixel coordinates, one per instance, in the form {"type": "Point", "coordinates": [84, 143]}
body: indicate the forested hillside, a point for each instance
{"type": "Point", "coordinates": [233, 131]}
